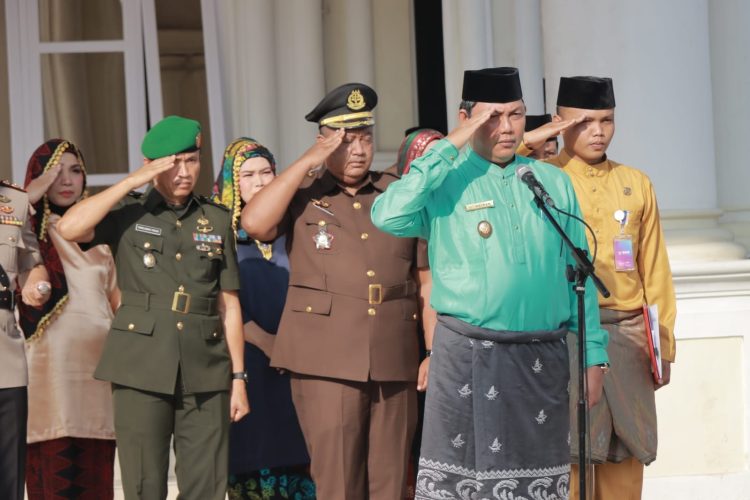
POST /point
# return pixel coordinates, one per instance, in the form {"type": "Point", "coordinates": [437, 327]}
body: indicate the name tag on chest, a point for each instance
{"type": "Point", "coordinates": [480, 205]}
{"type": "Point", "coordinates": [141, 228]}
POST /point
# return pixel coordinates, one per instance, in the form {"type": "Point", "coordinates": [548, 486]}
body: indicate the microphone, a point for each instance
{"type": "Point", "coordinates": [526, 175]}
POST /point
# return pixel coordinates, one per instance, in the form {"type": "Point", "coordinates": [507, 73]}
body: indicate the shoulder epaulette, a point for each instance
{"type": "Point", "coordinates": [206, 199]}
{"type": "Point", "coordinates": [7, 183]}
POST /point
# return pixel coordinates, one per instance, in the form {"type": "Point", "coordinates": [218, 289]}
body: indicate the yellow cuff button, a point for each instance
{"type": "Point", "coordinates": [308, 309]}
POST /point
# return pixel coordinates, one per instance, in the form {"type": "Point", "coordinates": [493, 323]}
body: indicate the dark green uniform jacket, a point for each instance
{"type": "Point", "coordinates": [171, 265]}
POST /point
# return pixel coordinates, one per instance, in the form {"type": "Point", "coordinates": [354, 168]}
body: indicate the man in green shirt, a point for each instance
{"type": "Point", "coordinates": [496, 417]}
{"type": "Point", "coordinates": [175, 351]}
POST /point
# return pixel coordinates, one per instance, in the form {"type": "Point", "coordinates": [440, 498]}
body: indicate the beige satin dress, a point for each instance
{"type": "Point", "coordinates": [64, 398]}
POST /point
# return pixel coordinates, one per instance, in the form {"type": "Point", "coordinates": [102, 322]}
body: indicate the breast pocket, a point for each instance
{"type": "Point", "coordinates": [323, 234]}
{"type": "Point", "coordinates": [209, 264]}
{"type": "Point", "coordinates": [149, 249]}
{"type": "Point", "coordinates": [10, 244]}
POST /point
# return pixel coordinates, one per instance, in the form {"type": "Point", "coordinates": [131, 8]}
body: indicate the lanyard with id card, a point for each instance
{"type": "Point", "coordinates": [623, 244]}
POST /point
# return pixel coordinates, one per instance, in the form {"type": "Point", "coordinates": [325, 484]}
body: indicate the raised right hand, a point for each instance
{"type": "Point", "coordinates": [535, 139]}
{"type": "Point", "coordinates": [460, 135]}
{"type": "Point", "coordinates": [149, 171]}
{"type": "Point", "coordinates": [37, 187]}
{"type": "Point", "coordinates": [321, 150]}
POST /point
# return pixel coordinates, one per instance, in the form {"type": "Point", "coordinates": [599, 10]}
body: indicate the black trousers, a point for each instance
{"type": "Point", "coordinates": [13, 413]}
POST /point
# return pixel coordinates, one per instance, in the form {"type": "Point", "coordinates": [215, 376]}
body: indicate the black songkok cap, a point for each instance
{"type": "Point", "coordinates": [586, 92]}
{"type": "Point", "coordinates": [536, 121]}
{"type": "Point", "coordinates": [492, 85]}
{"type": "Point", "coordinates": [347, 106]}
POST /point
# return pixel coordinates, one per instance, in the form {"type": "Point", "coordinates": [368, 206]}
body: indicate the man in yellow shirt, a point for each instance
{"type": "Point", "coordinates": [619, 203]}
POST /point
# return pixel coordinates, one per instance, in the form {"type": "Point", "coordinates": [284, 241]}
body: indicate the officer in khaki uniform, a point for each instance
{"type": "Point", "coordinates": [175, 349]}
{"type": "Point", "coordinates": [19, 254]}
{"type": "Point", "coordinates": [348, 333]}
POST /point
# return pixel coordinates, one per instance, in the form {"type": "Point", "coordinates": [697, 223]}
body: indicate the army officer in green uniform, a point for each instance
{"type": "Point", "coordinates": [175, 351]}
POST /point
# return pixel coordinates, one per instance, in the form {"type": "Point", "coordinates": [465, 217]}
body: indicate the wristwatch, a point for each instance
{"type": "Point", "coordinates": [604, 367]}
{"type": "Point", "coordinates": [240, 376]}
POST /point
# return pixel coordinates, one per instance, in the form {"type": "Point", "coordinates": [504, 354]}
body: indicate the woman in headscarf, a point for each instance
{"type": "Point", "coordinates": [417, 141]}
{"type": "Point", "coordinates": [71, 446]}
{"type": "Point", "coordinates": [267, 454]}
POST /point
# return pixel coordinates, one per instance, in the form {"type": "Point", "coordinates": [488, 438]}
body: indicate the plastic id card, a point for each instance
{"type": "Point", "coordinates": [624, 260]}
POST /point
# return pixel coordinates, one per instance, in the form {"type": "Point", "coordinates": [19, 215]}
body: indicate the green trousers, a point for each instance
{"type": "Point", "coordinates": [144, 425]}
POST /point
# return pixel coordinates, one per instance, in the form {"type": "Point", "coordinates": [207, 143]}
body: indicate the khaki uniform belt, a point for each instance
{"type": "Point", "coordinates": [178, 302]}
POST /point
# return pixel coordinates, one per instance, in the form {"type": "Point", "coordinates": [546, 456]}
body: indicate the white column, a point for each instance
{"type": "Point", "coordinates": [529, 56]}
{"type": "Point", "coordinates": [467, 44]}
{"type": "Point", "coordinates": [348, 42]}
{"type": "Point", "coordinates": [248, 66]}
{"type": "Point", "coordinates": [662, 80]}
{"type": "Point", "coordinates": [730, 71]}
{"type": "Point", "coordinates": [300, 79]}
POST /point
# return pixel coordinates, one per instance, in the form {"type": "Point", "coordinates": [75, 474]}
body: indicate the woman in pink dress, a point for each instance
{"type": "Point", "coordinates": [71, 447]}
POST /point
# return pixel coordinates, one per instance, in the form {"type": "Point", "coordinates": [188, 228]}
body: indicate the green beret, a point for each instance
{"type": "Point", "coordinates": [170, 136]}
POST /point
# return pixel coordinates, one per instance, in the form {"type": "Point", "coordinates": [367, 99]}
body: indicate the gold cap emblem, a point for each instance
{"type": "Point", "coordinates": [356, 100]}
{"type": "Point", "coordinates": [198, 140]}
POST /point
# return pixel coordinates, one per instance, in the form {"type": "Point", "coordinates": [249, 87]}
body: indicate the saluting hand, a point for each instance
{"type": "Point", "coordinates": [460, 135]}
{"type": "Point", "coordinates": [41, 184]}
{"type": "Point", "coordinates": [149, 170]}
{"type": "Point", "coordinates": [323, 148]}
{"type": "Point", "coordinates": [238, 404]}
{"type": "Point", "coordinates": [535, 139]}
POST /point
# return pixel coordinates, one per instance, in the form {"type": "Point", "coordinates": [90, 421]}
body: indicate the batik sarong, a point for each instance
{"type": "Point", "coordinates": [623, 423]}
{"type": "Point", "coordinates": [496, 420]}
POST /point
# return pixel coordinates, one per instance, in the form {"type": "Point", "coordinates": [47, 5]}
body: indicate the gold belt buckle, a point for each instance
{"type": "Point", "coordinates": [178, 297]}
{"type": "Point", "coordinates": [375, 293]}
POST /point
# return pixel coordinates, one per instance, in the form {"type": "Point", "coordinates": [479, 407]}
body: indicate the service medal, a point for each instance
{"type": "Point", "coordinates": [149, 260]}
{"type": "Point", "coordinates": [202, 247]}
{"type": "Point", "coordinates": [203, 221]}
{"type": "Point", "coordinates": [323, 239]}
{"type": "Point", "coordinates": [6, 209]}
{"type": "Point", "coordinates": [485, 229]}
{"type": "Point", "coordinates": [206, 229]}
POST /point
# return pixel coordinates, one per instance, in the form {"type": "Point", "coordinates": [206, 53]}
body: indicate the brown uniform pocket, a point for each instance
{"type": "Point", "coordinates": [309, 301]}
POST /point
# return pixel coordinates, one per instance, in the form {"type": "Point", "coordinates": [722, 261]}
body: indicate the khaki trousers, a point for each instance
{"type": "Point", "coordinates": [612, 481]}
{"type": "Point", "coordinates": [144, 425]}
{"type": "Point", "coordinates": [358, 434]}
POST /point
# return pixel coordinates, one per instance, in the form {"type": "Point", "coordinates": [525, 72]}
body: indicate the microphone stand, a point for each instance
{"type": "Point", "coordinates": [583, 269]}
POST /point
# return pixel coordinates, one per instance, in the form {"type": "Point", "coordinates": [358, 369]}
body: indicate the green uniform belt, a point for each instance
{"type": "Point", "coordinates": [180, 302]}
{"type": "Point", "coordinates": [374, 293]}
